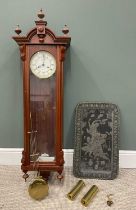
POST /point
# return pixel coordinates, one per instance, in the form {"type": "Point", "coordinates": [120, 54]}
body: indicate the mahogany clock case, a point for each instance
{"type": "Point", "coordinates": [43, 96]}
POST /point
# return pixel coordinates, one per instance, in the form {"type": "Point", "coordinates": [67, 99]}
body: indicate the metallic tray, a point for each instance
{"type": "Point", "coordinates": [96, 149]}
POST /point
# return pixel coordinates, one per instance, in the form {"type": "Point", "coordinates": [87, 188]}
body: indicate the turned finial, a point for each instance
{"type": "Point", "coordinates": [18, 30]}
{"type": "Point", "coordinates": [65, 30]}
{"type": "Point", "coordinates": [40, 14]}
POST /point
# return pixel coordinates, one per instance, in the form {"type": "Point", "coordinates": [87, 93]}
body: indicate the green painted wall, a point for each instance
{"type": "Point", "coordinates": [100, 66]}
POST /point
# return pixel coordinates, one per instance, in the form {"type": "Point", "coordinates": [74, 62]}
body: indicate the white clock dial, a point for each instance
{"type": "Point", "coordinates": [43, 64]}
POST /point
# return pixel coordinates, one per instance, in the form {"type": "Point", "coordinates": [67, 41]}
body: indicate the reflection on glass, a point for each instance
{"type": "Point", "coordinates": [42, 118]}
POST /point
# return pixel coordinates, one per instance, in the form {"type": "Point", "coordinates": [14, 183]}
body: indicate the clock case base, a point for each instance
{"type": "Point", "coordinates": [42, 172]}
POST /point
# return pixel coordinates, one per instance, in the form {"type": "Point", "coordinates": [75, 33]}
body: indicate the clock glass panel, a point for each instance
{"type": "Point", "coordinates": [42, 107]}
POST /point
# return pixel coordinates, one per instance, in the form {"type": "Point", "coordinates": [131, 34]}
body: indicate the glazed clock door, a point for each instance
{"type": "Point", "coordinates": [42, 78]}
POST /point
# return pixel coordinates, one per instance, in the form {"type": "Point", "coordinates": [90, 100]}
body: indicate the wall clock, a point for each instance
{"type": "Point", "coordinates": [42, 54]}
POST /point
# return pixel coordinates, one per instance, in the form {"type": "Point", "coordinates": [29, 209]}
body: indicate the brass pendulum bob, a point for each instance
{"type": "Point", "coordinates": [38, 189]}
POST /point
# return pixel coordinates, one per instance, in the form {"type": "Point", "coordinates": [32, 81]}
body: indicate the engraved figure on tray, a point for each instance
{"type": "Point", "coordinates": [96, 140]}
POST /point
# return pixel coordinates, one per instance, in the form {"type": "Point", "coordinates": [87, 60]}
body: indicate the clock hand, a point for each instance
{"type": "Point", "coordinates": [43, 61]}
{"type": "Point", "coordinates": [40, 66]}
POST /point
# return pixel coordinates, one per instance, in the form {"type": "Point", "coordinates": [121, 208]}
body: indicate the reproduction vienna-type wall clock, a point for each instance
{"type": "Point", "coordinates": [42, 54]}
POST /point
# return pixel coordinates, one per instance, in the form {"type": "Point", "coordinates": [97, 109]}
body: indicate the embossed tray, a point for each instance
{"type": "Point", "coordinates": [96, 152]}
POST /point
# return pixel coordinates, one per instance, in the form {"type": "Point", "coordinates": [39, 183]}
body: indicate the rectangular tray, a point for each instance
{"type": "Point", "coordinates": [96, 152]}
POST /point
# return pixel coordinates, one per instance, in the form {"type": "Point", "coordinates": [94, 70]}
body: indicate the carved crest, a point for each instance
{"type": "Point", "coordinates": [42, 34]}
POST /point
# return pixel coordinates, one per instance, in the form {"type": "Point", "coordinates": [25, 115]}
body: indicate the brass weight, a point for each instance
{"type": "Point", "coordinates": [75, 190]}
{"type": "Point", "coordinates": [88, 197]}
{"type": "Point", "coordinates": [38, 189]}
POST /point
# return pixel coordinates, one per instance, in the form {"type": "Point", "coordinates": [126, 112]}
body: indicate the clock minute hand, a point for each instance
{"type": "Point", "coordinates": [43, 64]}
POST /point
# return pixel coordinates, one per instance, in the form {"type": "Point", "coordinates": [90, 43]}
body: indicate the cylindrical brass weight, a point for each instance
{"type": "Point", "coordinates": [88, 197]}
{"type": "Point", "coordinates": [75, 190]}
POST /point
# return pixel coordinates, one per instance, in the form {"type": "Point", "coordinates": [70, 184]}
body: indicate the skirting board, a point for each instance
{"type": "Point", "coordinates": [12, 156]}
